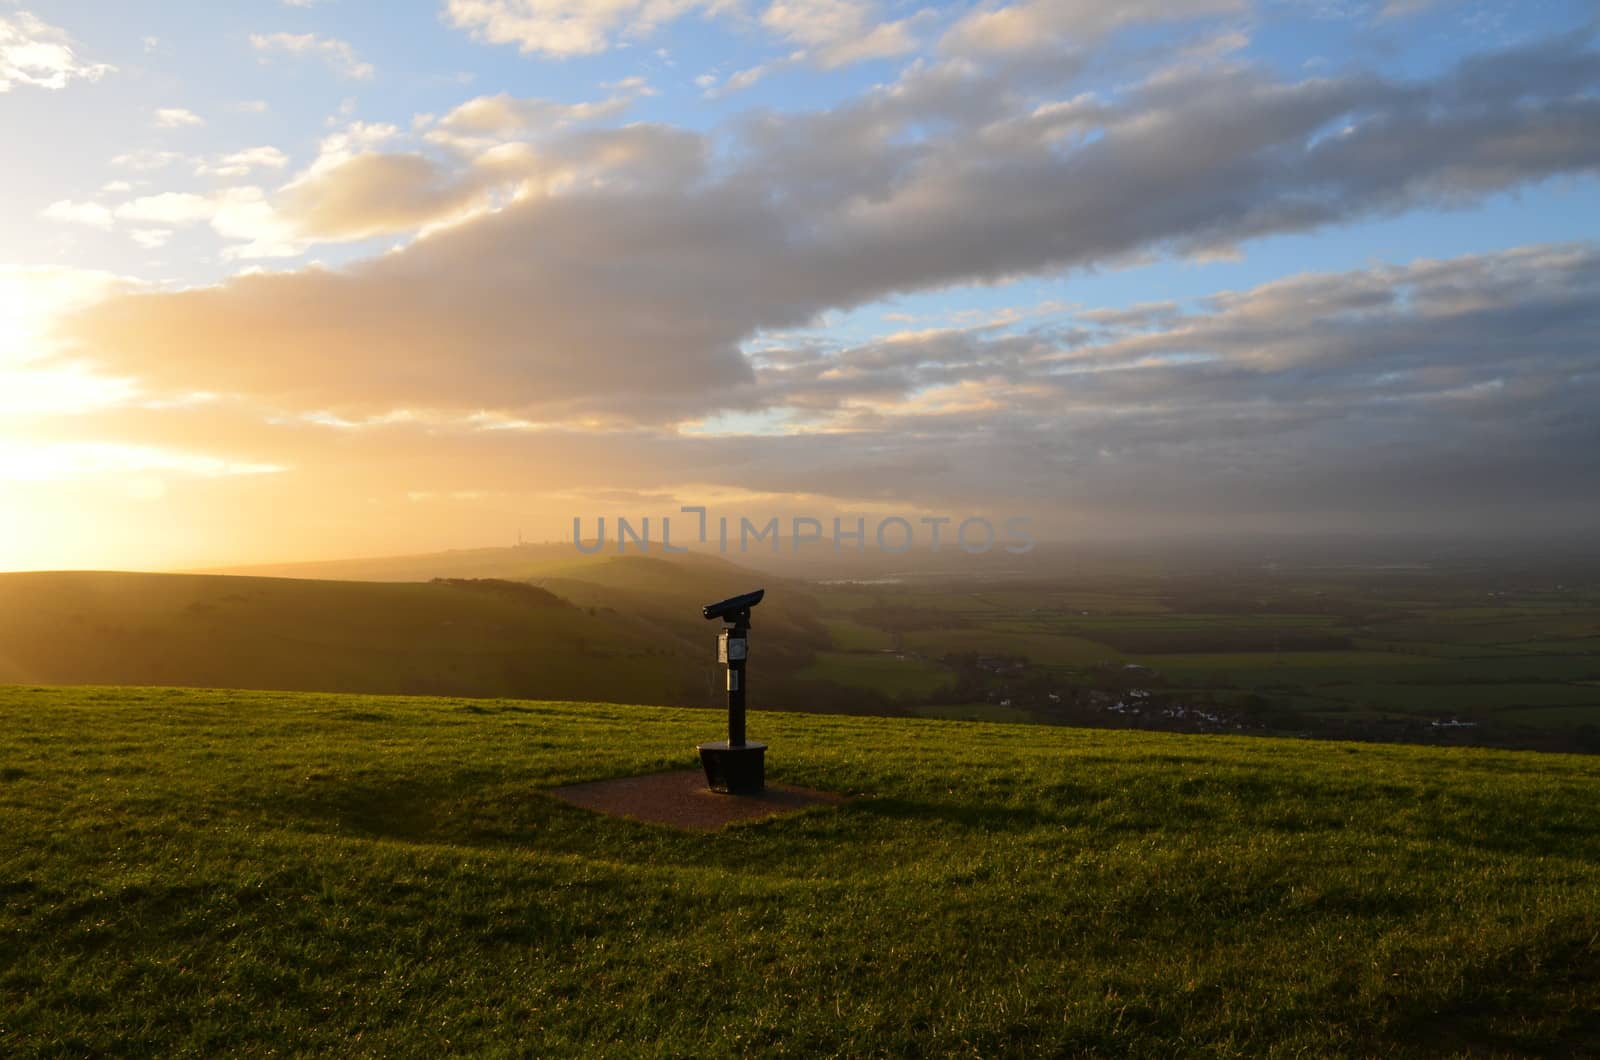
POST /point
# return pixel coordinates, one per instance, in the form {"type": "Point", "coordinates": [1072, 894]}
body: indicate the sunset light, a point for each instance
{"type": "Point", "coordinates": [1161, 439]}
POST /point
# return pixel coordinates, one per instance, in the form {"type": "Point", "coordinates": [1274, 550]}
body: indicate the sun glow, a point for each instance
{"type": "Point", "coordinates": [52, 461]}
{"type": "Point", "coordinates": [32, 299]}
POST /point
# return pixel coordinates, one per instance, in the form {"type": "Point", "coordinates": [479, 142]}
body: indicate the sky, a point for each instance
{"type": "Point", "coordinates": [299, 279]}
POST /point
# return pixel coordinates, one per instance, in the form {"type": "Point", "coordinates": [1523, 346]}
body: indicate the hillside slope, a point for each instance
{"type": "Point", "coordinates": [615, 628]}
{"type": "Point", "coordinates": [666, 596]}
{"type": "Point", "coordinates": [254, 874]}
{"type": "Point", "coordinates": [83, 627]}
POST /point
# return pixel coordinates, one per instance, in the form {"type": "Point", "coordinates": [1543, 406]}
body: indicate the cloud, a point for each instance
{"type": "Point", "coordinates": [353, 190]}
{"type": "Point", "coordinates": [242, 163]}
{"type": "Point", "coordinates": [1393, 9]}
{"type": "Point", "coordinates": [240, 213]}
{"type": "Point", "coordinates": [1035, 26]}
{"type": "Point", "coordinates": [1357, 395]}
{"type": "Point", "coordinates": [1386, 336]}
{"type": "Point", "coordinates": [564, 28]}
{"type": "Point", "coordinates": [372, 194]}
{"type": "Point", "coordinates": [64, 460]}
{"type": "Point", "coordinates": [31, 297]}
{"type": "Point", "coordinates": [150, 238]}
{"type": "Point", "coordinates": [145, 160]}
{"type": "Point", "coordinates": [176, 117]}
{"type": "Point", "coordinates": [169, 207]}
{"type": "Point", "coordinates": [485, 121]}
{"type": "Point", "coordinates": [78, 213]}
{"type": "Point", "coordinates": [338, 55]}
{"type": "Point", "coordinates": [834, 32]}
{"type": "Point", "coordinates": [740, 80]}
{"type": "Point", "coordinates": [38, 55]}
{"type": "Point", "coordinates": [839, 32]}
{"type": "Point", "coordinates": [623, 277]}
{"type": "Point", "coordinates": [830, 34]}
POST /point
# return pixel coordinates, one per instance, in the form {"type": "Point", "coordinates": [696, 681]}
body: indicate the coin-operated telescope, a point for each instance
{"type": "Point", "coordinates": [734, 766]}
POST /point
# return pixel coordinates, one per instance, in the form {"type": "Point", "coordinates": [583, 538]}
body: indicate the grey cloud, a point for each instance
{"type": "Point", "coordinates": [628, 293]}
{"type": "Point", "coordinates": [1035, 26]}
{"type": "Point", "coordinates": [371, 194]}
{"type": "Point", "coordinates": [1465, 385]}
{"type": "Point", "coordinates": [1439, 394]}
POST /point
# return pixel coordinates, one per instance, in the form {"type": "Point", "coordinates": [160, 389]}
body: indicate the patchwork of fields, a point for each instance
{"type": "Point", "coordinates": [1511, 657]}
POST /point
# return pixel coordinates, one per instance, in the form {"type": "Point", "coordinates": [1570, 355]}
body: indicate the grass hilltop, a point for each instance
{"type": "Point", "coordinates": [244, 873]}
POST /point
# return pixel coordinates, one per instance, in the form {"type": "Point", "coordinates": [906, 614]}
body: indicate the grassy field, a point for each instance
{"type": "Point", "coordinates": [1378, 653]}
{"type": "Point", "coordinates": [1042, 648]}
{"type": "Point", "coordinates": [891, 674]}
{"type": "Point", "coordinates": [973, 712]}
{"type": "Point", "coordinates": [227, 873]}
{"type": "Point", "coordinates": [849, 635]}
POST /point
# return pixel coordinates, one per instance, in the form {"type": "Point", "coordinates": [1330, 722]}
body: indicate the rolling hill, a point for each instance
{"type": "Point", "coordinates": [514, 564]}
{"type": "Point", "coordinates": [612, 628]}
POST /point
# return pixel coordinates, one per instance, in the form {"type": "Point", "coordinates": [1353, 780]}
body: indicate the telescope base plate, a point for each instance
{"type": "Point", "coordinates": [734, 770]}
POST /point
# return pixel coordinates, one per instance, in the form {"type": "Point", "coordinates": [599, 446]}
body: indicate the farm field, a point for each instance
{"type": "Point", "coordinates": [886, 672]}
{"type": "Point", "coordinates": [848, 635]}
{"type": "Point", "coordinates": [247, 873]}
{"type": "Point", "coordinates": [1490, 652]}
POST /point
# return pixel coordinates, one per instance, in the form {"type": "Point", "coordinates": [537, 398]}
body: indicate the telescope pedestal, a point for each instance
{"type": "Point", "coordinates": [734, 769]}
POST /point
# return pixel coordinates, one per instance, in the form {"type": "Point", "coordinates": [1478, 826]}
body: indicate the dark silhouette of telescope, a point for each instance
{"type": "Point", "coordinates": [735, 766]}
{"type": "Point", "coordinates": [733, 606]}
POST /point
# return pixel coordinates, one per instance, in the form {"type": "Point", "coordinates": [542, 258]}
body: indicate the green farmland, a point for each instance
{"type": "Point", "coordinates": [1495, 655]}
{"type": "Point", "coordinates": [888, 673]}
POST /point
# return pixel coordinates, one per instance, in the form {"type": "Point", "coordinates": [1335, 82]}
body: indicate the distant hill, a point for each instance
{"type": "Point", "coordinates": [516, 563]}
{"type": "Point", "coordinates": [666, 595]}
{"type": "Point", "coordinates": [623, 629]}
{"type": "Point", "coordinates": [813, 561]}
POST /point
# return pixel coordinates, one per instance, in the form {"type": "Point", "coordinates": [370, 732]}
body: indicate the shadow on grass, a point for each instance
{"type": "Point", "coordinates": [1504, 1006]}
{"type": "Point", "coordinates": [387, 810]}
{"type": "Point", "coordinates": [974, 816]}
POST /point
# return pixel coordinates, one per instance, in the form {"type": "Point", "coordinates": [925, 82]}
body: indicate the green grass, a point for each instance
{"type": "Point", "coordinates": [836, 600]}
{"type": "Point", "coordinates": [1267, 661]}
{"type": "Point", "coordinates": [222, 873]}
{"type": "Point", "coordinates": [1465, 699]}
{"type": "Point", "coordinates": [893, 675]}
{"type": "Point", "coordinates": [972, 712]}
{"type": "Point", "coordinates": [849, 635]}
{"type": "Point", "coordinates": [1042, 648]}
{"type": "Point", "coordinates": [1165, 622]}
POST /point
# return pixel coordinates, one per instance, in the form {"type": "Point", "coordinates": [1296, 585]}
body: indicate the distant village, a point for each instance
{"type": "Point", "coordinates": [1128, 695]}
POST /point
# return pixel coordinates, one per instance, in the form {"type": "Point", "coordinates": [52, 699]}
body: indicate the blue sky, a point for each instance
{"type": "Point", "coordinates": [874, 221]}
{"type": "Point", "coordinates": [200, 57]}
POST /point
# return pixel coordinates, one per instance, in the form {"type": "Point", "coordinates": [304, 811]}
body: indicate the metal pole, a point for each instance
{"type": "Point", "coordinates": [736, 686]}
